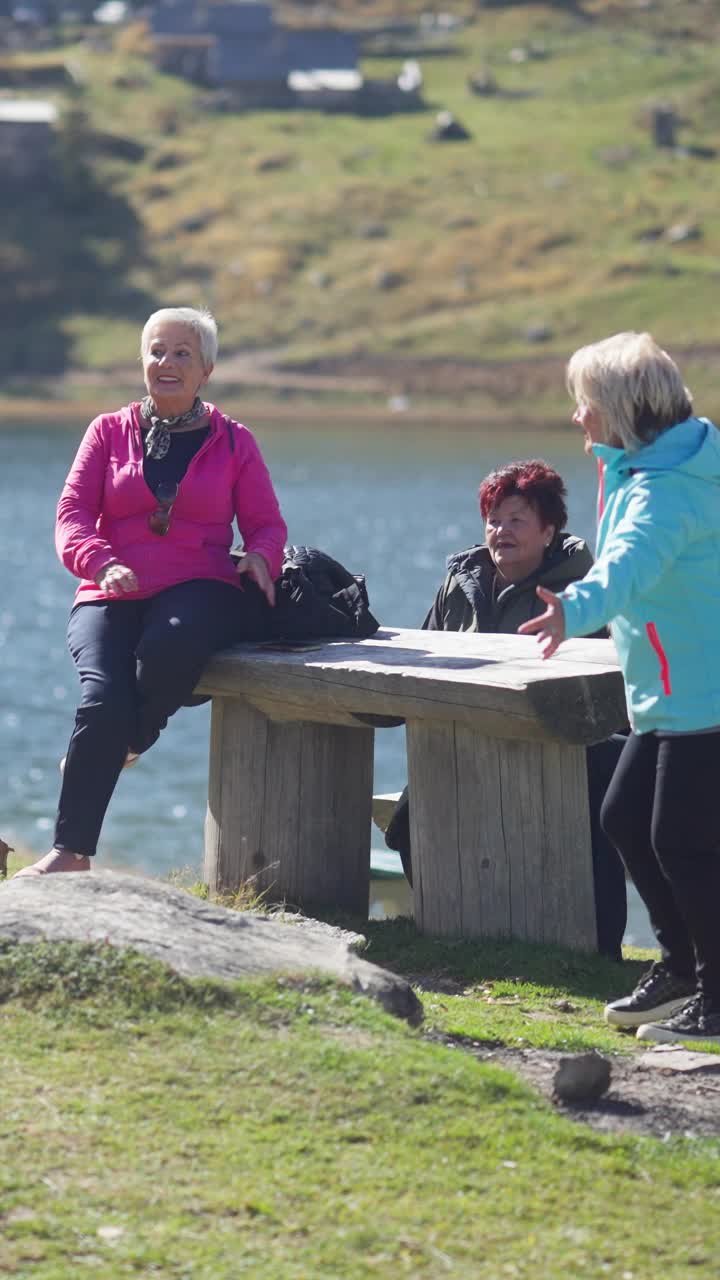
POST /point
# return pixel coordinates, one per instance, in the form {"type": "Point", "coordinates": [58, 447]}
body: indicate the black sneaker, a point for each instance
{"type": "Point", "coordinates": [697, 1020]}
{"type": "Point", "coordinates": [658, 994]}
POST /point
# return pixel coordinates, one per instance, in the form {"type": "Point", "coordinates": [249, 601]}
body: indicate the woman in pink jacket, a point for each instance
{"type": "Point", "coordinates": [145, 521]}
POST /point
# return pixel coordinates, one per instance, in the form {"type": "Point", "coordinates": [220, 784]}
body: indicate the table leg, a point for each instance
{"type": "Point", "coordinates": [289, 808]}
{"type": "Point", "coordinates": [500, 836]}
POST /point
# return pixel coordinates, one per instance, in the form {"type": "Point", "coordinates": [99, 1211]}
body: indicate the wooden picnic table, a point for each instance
{"type": "Point", "coordinates": [496, 765]}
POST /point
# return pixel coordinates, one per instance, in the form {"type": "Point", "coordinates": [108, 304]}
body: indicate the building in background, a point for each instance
{"type": "Point", "coordinates": [238, 50]}
{"type": "Point", "coordinates": [27, 134]}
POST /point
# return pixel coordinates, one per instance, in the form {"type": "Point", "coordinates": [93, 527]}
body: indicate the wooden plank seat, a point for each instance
{"type": "Point", "coordinates": [496, 768]}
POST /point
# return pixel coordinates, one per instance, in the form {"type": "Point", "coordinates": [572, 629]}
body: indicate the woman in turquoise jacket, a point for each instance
{"type": "Point", "coordinates": [656, 581]}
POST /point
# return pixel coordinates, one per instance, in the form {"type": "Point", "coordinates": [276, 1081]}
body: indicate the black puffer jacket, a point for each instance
{"type": "Point", "coordinates": [469, 599]}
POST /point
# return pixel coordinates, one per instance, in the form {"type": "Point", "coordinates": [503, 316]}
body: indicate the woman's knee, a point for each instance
{"type": "Point", "coordinates": [171, 647]}
{"type": "Point", "coordinates": [171, 659]}
{"type": "Point", "coordinates": [616, 818]}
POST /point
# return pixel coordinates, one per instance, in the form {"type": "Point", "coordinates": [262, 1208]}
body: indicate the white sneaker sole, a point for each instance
{"type": "Point", "coordinates": [660, 1035]}
{"type": "Point", "coordinates": [623, 1018]}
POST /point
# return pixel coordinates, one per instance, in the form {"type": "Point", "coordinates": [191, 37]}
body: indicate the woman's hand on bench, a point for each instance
{"type": "Point", "coordinates": [255, 565]}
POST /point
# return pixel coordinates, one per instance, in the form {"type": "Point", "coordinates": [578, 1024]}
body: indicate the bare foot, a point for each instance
{"type": "Point", "coordinates": [55, 860]}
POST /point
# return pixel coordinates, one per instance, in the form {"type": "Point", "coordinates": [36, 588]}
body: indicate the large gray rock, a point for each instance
{"type": "Point", "coordinates": [195, 938]}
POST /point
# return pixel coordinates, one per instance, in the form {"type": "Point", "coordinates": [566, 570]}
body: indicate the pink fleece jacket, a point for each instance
{"type": "Point", "coordinates": [102, 515]}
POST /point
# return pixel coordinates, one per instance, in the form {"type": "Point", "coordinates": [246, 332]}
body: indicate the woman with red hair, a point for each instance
{"type": "Point", "coordinates": [493, 587]}
{"type": "Point", "coordinates": [490, 585]}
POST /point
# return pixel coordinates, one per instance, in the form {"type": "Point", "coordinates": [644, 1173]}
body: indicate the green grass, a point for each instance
{"type": "Point", "coordinates": [512, 993]}
{"type": "Point", "coordinates": [153, 1126]}
{"type": "Point", "coordinates": [162, 1127]}
{"type": "Point", "coordinates": [537, 220]}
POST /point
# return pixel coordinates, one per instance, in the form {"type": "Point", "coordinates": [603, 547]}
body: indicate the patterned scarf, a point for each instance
{"type": "Point", "coordinates": [157, 440]}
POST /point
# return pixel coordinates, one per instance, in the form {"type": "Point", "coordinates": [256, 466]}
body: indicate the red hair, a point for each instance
{"type": "Point", "coordinates": [536, 482]}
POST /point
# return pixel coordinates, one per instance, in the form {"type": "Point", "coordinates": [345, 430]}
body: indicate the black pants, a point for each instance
{"type": "Point", "coordinates": [138, 661]}
{"type": "Point", "coordinates": [662, 813]}
{"type": "Point", "coordinates": [608, 870]}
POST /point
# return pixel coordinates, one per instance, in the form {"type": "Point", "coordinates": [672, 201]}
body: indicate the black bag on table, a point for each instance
{"type": "Point", "coordinates": [317, 598]}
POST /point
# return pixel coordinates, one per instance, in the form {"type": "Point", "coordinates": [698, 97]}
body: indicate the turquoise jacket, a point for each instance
{"type": "Point", "coordinates": [656, 578]}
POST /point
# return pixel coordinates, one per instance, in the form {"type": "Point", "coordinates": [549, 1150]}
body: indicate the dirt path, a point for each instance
{"type": "Point", "coordinates": [660, 1092]}
{"type": "Point", "coordinates": [419, 375]}
{"type": "Point", "coordinates": [646, 1095]}
{"type": "Point", "coordinates": [439, 376]}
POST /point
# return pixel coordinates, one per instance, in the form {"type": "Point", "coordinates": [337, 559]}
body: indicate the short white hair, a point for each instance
{"type": "Point", "coordinates": [201, 322]}
{"type": "Point", "coordinates": [635, 386]}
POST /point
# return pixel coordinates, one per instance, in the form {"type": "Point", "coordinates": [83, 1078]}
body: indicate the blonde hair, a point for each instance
{"type": "Point", "coordinates": [201, 322]}
{"type": "Point", "coordinates": [634, 385]}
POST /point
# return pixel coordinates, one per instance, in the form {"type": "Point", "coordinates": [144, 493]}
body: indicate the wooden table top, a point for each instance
{"type": "Point", "coordinates": [498, 684]}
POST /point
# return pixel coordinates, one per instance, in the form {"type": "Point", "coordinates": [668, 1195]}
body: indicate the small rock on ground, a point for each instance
{"type": "Point", "coordinates": [585, 1077]}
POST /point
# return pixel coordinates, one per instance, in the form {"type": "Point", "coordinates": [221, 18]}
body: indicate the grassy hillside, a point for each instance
{"type": "Point", "coordinates": [334, 236]}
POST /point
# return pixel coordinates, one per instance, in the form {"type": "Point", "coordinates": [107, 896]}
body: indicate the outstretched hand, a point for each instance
{"type": "Point", "coordinates": [256, 567]}
{"type": "Point", "coordinates": [550, 626]}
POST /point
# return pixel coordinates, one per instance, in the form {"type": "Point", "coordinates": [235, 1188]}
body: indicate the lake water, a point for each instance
{"type": "Point", "coordinates": [388, 503]}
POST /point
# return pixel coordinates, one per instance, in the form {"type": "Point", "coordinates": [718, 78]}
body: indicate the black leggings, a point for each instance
{"type": "Point", "coordinates": [138, 661]}
{"type": "Point", "coordinates": [662, 813]}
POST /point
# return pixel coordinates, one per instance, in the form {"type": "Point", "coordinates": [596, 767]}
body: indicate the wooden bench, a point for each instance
{"type": "Point", "coordinates": [496, 767]}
